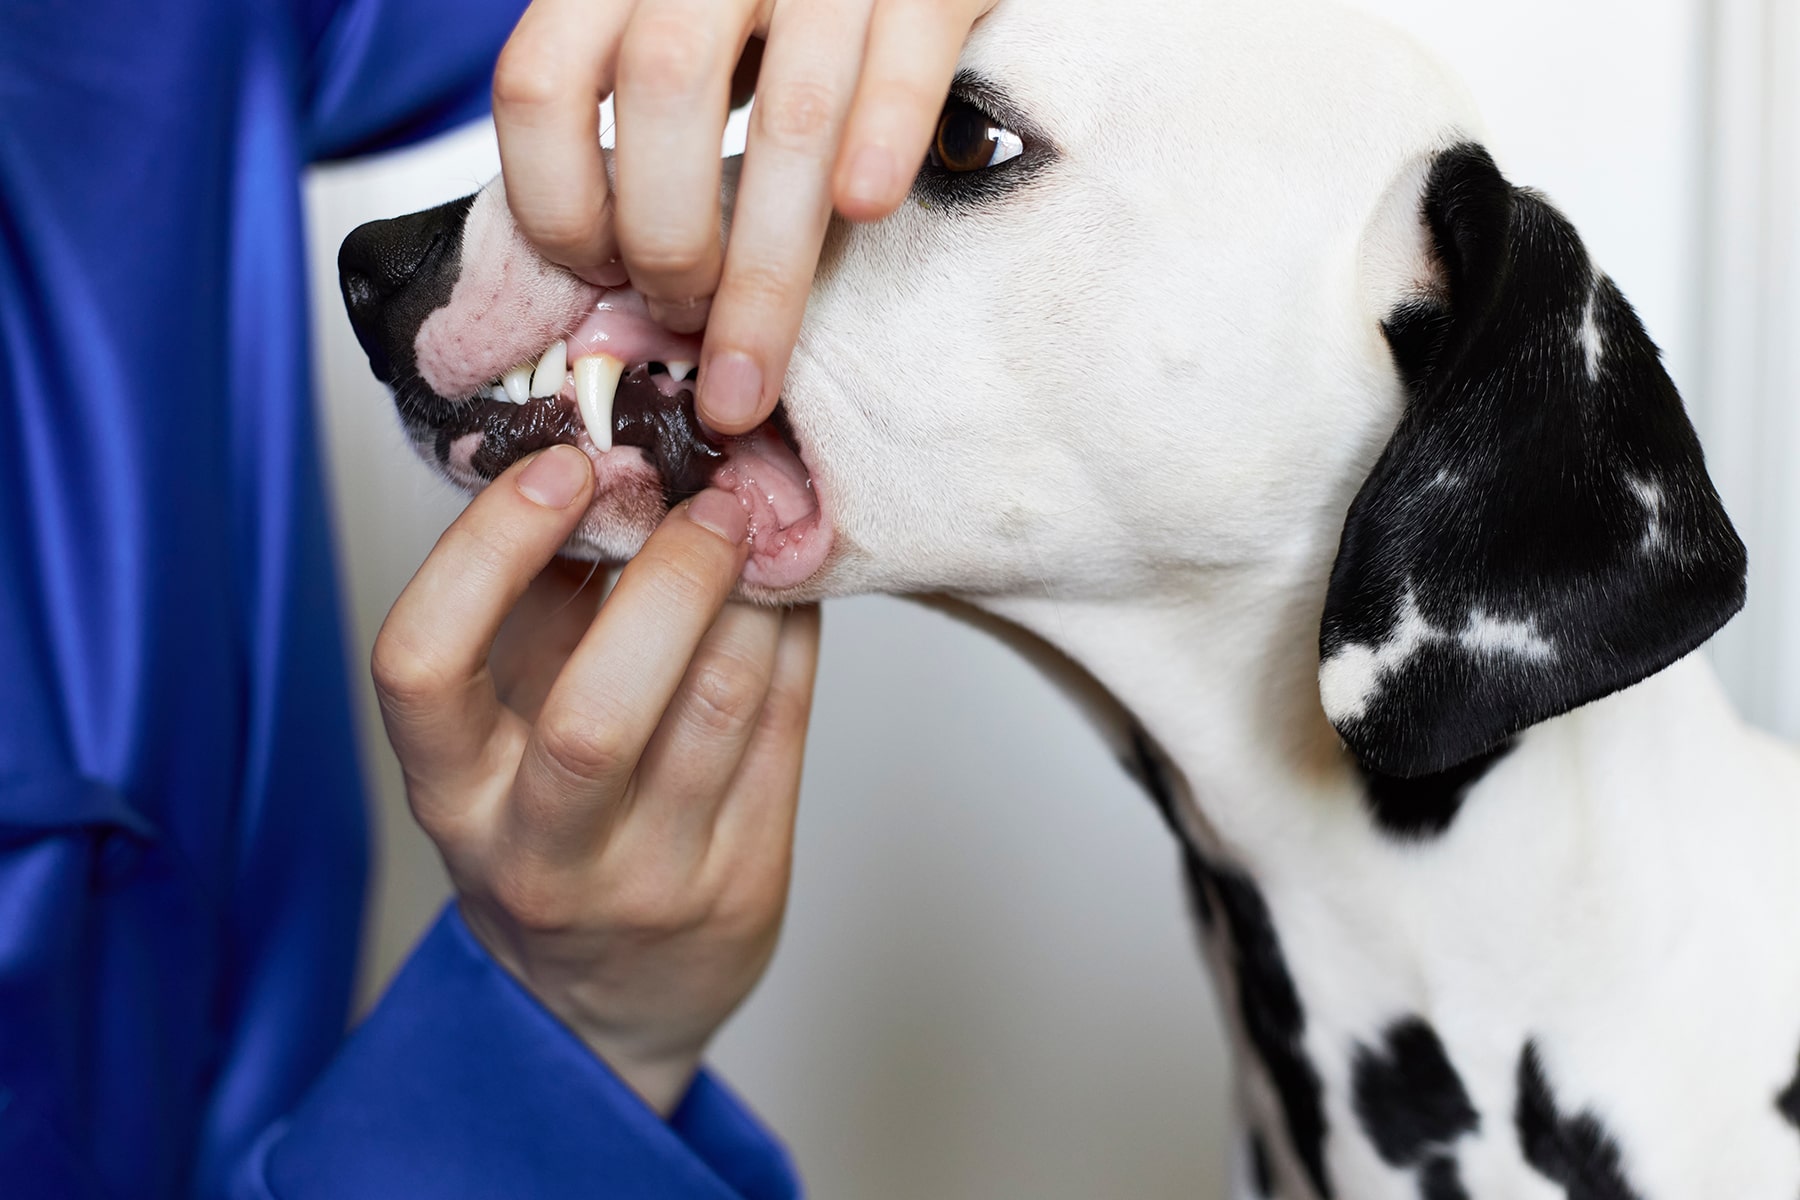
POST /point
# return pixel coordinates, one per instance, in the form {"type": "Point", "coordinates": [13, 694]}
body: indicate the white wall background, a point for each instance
{"type": "Point", "coordinates": [987, 986]}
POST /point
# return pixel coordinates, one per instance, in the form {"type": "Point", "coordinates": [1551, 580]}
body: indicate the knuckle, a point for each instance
{"type": "Point", "coordinates": [587, 745]}
{"type": "Point", "coordinates": [684, 580]}
{"type": "Point", "coordinates": [441, 822]}
{"type": "Point", "coordinates": [406, 676]}
{"type": "Point", "coordinates": [565, 231]}
{"type": "Point", "coordinates": [902, 95]}
{"type": "Point", "coordinates": [536, 900]}
{"type": "Point", "coordinates": [765, 287]}
{"type": "Point", "coordinates": [726, 693]}
{"type": "Point", "coordinates": [785, 715]}
{"type": "Point", "coordinates": [654, 904]}
{"type": "Point", "coordinates": [481, 552]}
{"type": "Point", "coordinates": [524, 77]}
{"type": "Point", "coordinates": [670, 252]}
{"type": "Point", "coordinates": [665, 52]}
{"type": "Point", "coordinates": [797, 115]}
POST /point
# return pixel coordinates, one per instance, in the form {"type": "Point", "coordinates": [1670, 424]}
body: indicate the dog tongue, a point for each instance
{"type": "Point", "coordinates": [787, 543]}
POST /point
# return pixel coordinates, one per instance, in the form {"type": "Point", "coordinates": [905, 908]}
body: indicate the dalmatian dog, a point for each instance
{"type": "Point", "coordinates": [1214, 356]}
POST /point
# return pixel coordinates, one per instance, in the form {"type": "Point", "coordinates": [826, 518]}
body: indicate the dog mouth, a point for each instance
{"type": "Point", "coordinates": [621, 388]}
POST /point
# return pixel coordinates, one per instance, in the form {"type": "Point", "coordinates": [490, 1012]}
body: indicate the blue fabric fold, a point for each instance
{"type": "Point", "coordinates": [38, 806]}
{"type": "Point", "coordinates": [461, 1085]}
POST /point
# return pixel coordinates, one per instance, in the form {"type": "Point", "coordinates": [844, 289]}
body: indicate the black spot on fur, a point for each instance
{"type": "Point", "coordinates": [1268, 1004]}
{"type": "Point", "coordinates": [1410, 1100]}
{"type": "Point", "coordinates": [1576, 1152]}
{"type": "Point", "coordinates": [1440, 1180]}
{"type": "Point", "coordinates": [1145, 764]}
{"type": "Point", "coordinates": [1788, 1103]}
{"type": "Point", "coordinates": [1421, 808]}
{"type": "Point", "coordinates": [1270, 1010]}
{"type": "Point", "coordinates": [1512, 490]}
{"type": "Point", "coordinates": [1260, 1174]}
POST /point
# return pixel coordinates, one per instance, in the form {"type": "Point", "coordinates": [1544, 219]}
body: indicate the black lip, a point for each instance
{"type": "Point", "coordinates": [664, 427]}
{"type": "Point", "coordinates": [684, 452]}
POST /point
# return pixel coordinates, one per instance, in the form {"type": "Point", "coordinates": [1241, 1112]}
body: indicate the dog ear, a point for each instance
{"type": "Point", "coordinates": [1540, 530]}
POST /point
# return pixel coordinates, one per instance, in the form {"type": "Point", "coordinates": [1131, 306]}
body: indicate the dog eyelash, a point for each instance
{"type": "Point", "coordinates": [1019, 153]}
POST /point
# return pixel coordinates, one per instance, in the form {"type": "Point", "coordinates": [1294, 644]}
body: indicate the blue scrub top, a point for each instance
{"type": "Point", "coordinates": [183, 840]}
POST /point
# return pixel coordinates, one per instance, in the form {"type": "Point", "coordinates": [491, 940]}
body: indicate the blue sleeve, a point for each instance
{"type": "Point", "coordinates": [387, 72]}
{"type": "Point", "coordinates": [460, 1085]}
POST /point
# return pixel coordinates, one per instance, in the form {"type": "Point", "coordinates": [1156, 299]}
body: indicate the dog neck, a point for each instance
{"type": "Point", "coordinates": [1221, 684]}
{"type": "Point", "coordinates": [1325, 930]}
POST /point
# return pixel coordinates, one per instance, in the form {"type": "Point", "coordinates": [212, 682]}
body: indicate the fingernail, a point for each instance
{"type": "Point", "coordinates": [681, 316]}
{"type": "Point", "coordinates": [871, 176]}
{"type": "Point", "coordinates": [612, 274]}
{"type": "Point", "coordinates": [554, 478]}
{"type": "Point", "coordinates": [730, 390]}
{"type": "Point", "coordinates": [720, 512]}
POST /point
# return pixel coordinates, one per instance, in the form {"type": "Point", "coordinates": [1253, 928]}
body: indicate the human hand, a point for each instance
{"type": "Point", "coordinates": [612, 787]}
{"type": "Point", "coordinates": [848, 96]}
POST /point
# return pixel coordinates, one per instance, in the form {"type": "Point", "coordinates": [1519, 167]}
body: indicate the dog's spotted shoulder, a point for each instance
{"type": "Point", "coordinates": [1412, 1103]}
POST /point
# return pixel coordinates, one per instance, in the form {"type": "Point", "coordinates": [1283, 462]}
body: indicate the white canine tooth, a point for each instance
{"type": "Point", "coordinates": [679, 371]}
{"type": "Point", "coordinates": [596, 379]}
{"type": "Point", "coordinates": [517, 383]}
{"type": "Point", "coordinates": [547, 380]}
{"type": "Point", "coordinates": [498, 393]}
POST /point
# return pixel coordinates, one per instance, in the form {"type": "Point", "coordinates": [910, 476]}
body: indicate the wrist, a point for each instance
{"type": "Point", "coordinates": [659, 1082]}
{"type": "Point", "coordinates": [654, 1060]}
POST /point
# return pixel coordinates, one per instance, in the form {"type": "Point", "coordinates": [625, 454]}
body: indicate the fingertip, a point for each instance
{"type": "Point", "coordinates": [731, 392]}
{"type": "Point", "coordinates": [722, 513]}
{"type": "Point", "coordinates": [608, 274]}
{"type": "Point", "coordinates": [868, 186]}
{"type": "Point", "coordinates": [611, 274]}
{"type": "Point", "coordinates": [555, 478]}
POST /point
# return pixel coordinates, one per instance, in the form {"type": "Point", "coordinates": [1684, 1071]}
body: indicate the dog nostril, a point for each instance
{"type": "Point", "coordinates": [359, 290]}
{"type": "Point", "coordinates": [394, 272]}
{"type": "Point", "coordinates": [380, 258]}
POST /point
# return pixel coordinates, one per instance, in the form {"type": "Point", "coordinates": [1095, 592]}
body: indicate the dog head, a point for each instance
{"type": "Point", "coordinates": [1161, 303]}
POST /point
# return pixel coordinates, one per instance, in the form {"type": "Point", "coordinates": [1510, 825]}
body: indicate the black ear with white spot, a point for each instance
{"type": "Point", "coordinates": [1540, 531]}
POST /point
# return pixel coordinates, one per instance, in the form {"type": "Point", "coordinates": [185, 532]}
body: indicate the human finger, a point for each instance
{"type": "Point", "coordinates": [758, 813]}
{"type": "Point", "coordinates": [911, 59]}
{"type": "Point", "coordinates": [674, 90]}
{"type": "Point", "coordinates": [688, 765]}
{"type": "Point", "coordinates": [543, 629]}
{"type": "Point", "coordinates": [430, 658]}
{"type": "Point", "coordinates": [616, 686]}
{"type": "Point", "coordinates": [548, 84]}
{"type": "Point", "coordinates": [783, 202]}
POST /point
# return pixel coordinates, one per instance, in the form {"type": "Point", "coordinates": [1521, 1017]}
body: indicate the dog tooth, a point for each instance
{"type": "Point", "coordinates": [547, 380]}
{"type": "Point", "coordinates": [498, 392]}
{"type": "Point", "coordinates": [596, 379]}
{"type": "Point", "coordinates": [517, 383]}
{"type": "Point", "coordinates": [679, 371]}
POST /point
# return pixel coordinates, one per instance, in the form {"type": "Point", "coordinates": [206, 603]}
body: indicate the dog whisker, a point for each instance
{"type": "Point", "coordinates": [593, 570]}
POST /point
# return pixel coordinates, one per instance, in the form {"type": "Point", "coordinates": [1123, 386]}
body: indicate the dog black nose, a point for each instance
{"type": "Point", "coordinates": [393, 273]}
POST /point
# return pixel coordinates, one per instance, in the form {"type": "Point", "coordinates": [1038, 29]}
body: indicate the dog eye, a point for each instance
{"type": "Point", "coordinates": [970, 140]}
